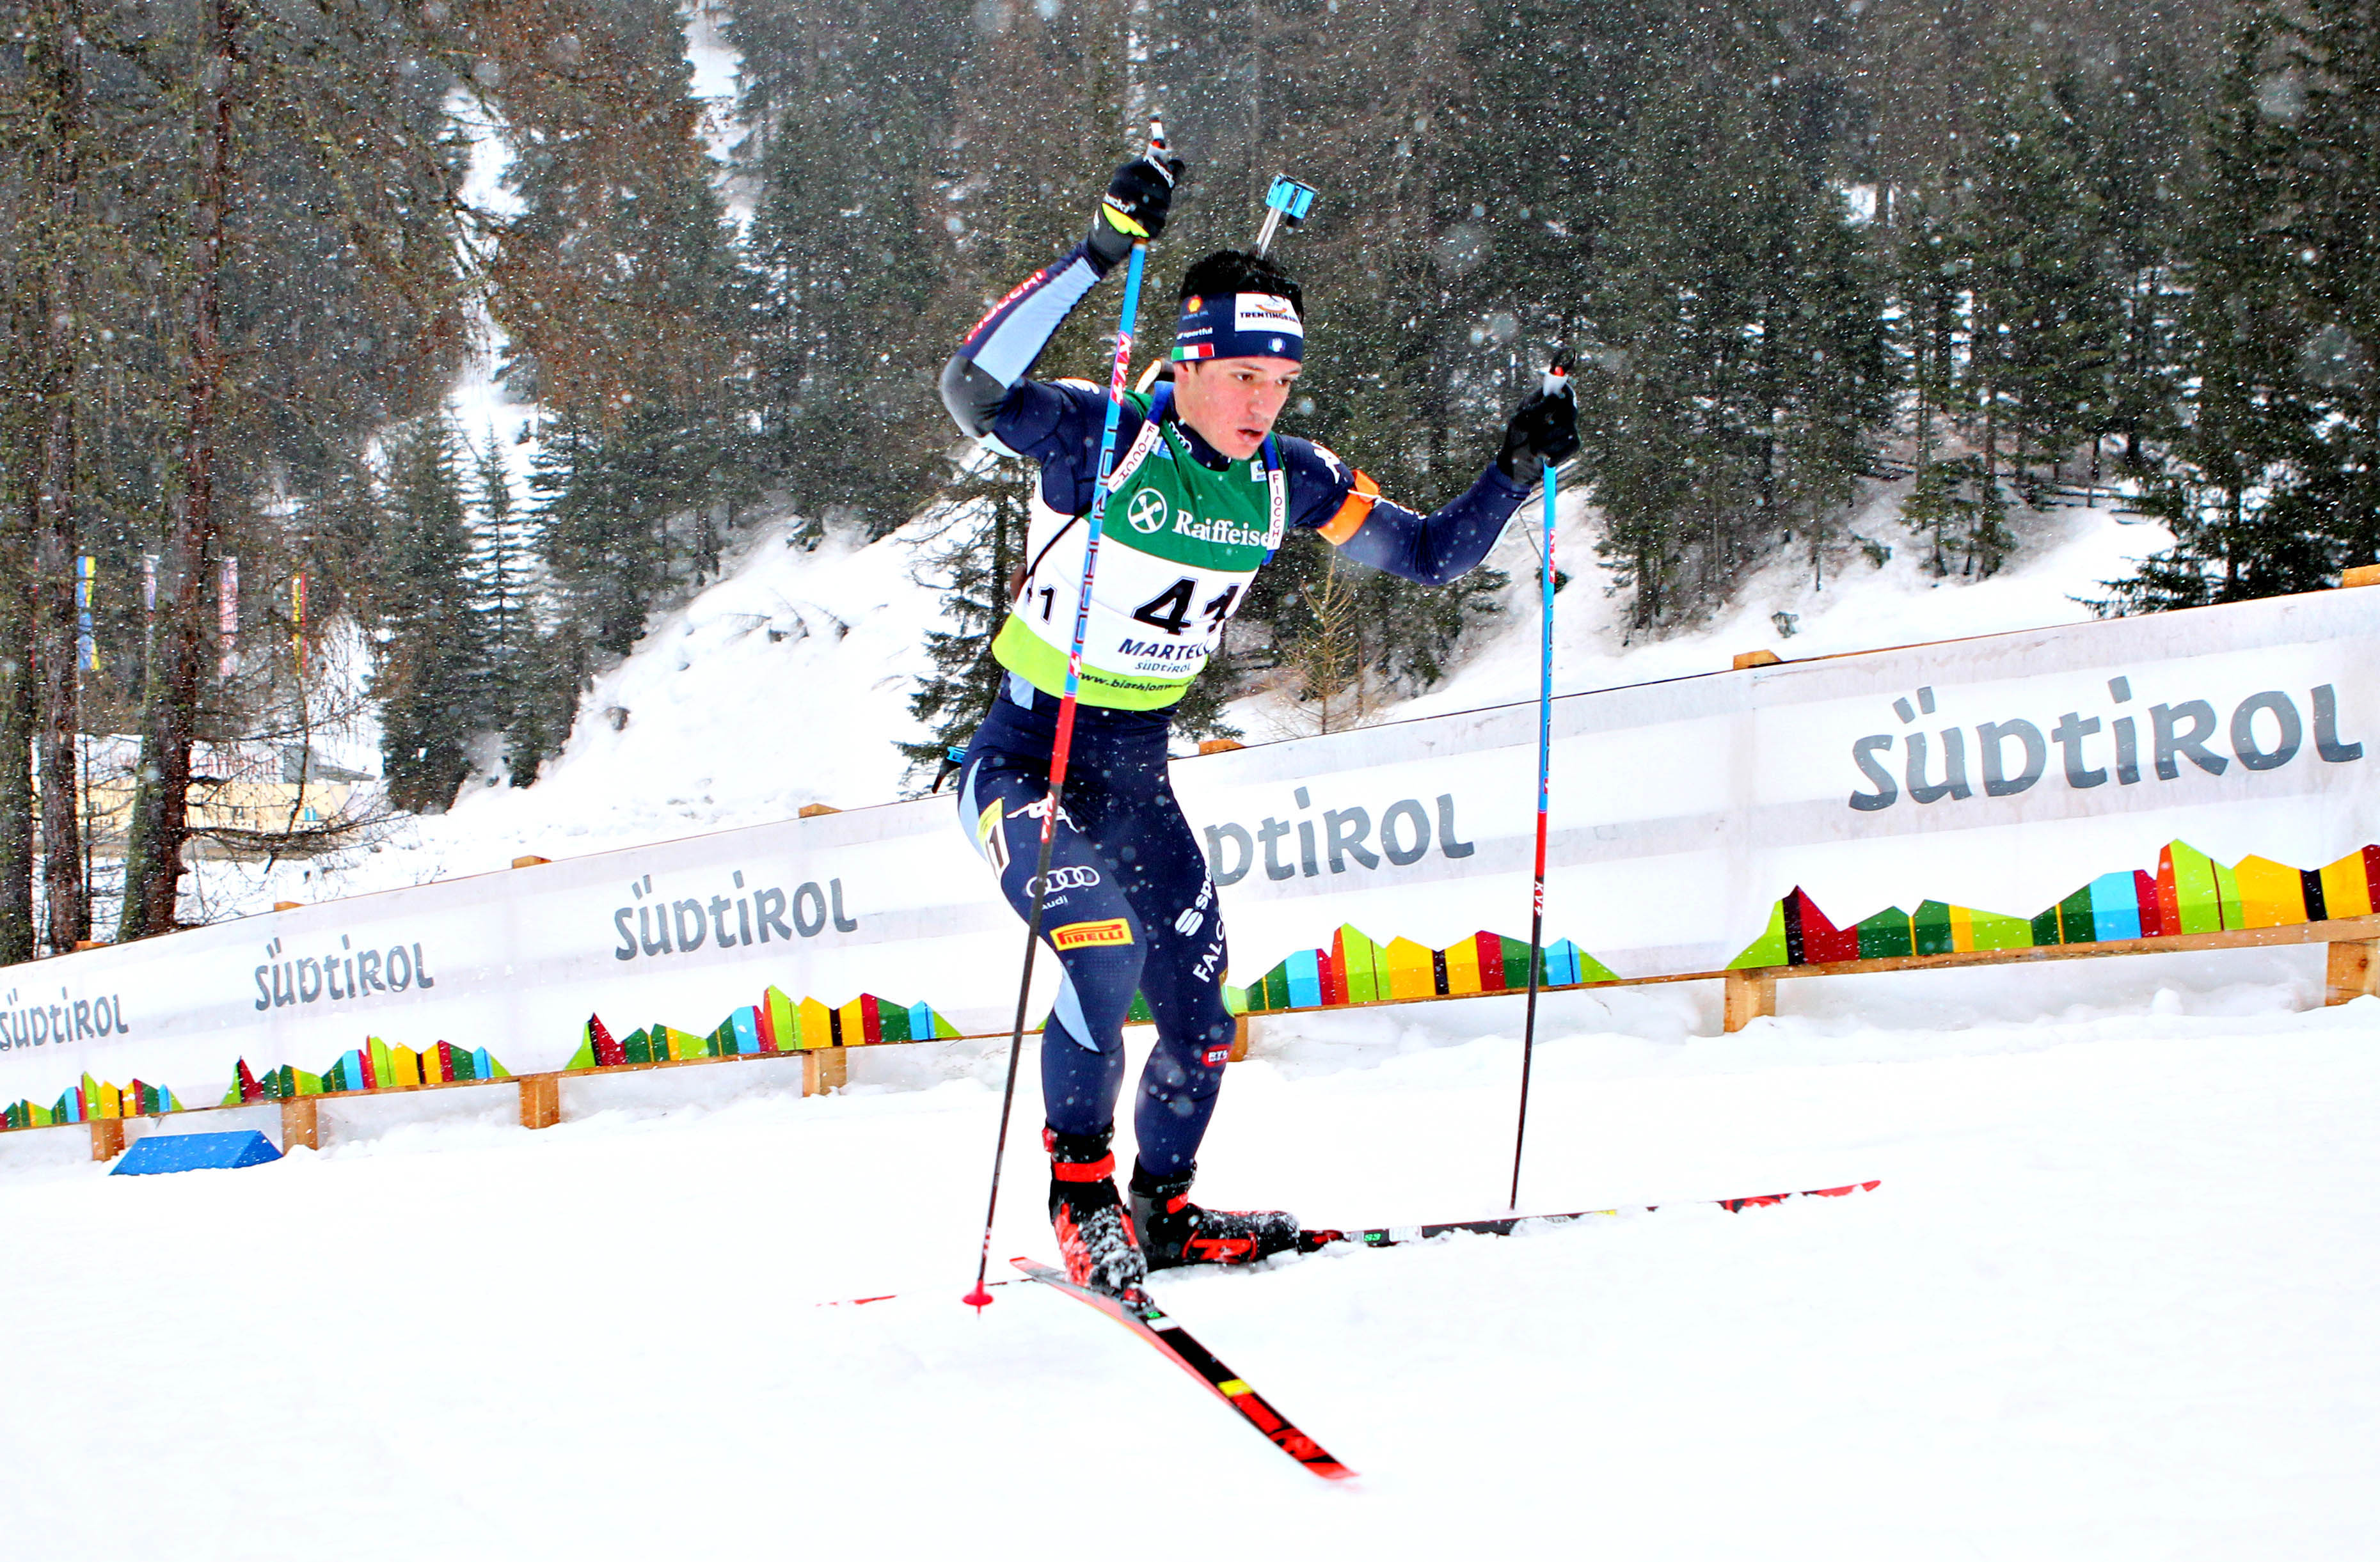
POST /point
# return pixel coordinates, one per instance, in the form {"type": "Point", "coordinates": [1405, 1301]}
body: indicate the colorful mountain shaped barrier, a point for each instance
{"type": "Point", "coordinates": [1357, 970]}
{"type": "Point", "coordinates": [374, 1066]}
{"type": "Point", "coordinates": [2190, 894]}
{"type": "Point", "coordinates": [93, 1098]}
{"type": "Point", "coordinates": [776, 1024]}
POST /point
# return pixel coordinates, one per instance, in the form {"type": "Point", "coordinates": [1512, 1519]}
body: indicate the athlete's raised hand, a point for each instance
{"type": "Point", "coordinates": [1135, 207]}
{"type": "Point", "coordinates": [1544, 432]}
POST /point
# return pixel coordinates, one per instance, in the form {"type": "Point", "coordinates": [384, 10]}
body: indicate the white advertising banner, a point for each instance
{"type": "Point", "coordinates": [1997, 775]}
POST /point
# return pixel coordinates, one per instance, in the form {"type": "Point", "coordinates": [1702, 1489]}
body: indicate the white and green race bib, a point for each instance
{"type": "Point", "coordinates": [1179, 546]}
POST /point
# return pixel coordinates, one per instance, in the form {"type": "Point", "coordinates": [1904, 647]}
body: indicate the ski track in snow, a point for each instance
{"type": "Point", "coordinates": [2109, 1302]}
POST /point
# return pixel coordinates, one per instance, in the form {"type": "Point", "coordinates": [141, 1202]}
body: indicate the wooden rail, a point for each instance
{"type": "Point", "coordinates": [2352, 968]}
{"type": "Point", "coordinates": [824, 1069]}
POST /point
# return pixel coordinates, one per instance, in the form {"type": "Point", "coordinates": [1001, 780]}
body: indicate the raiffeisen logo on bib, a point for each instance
{"type": "Point", "coordinates": [1256, 312]}
{"type": "Point", "coordinates": [1146, 513]}
{"type": "Point", "coordinates": [1222, 532]}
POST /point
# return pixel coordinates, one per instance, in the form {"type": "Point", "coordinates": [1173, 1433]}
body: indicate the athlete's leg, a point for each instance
{"type": "Point", "coordinates": [1163, 876]}
{"type": "Point", "coordinates": [1086, 920]}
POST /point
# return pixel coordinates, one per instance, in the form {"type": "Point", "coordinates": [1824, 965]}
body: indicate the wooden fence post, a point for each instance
{"type": "Point", "coordinates": [300, 1124]}
{"type": "Point", "coordinates": [2353, 971]}
{"type": "Point", "coordinates": [1241, 1036]}
{"type": "Point", "coordinates": [107, 1138]}
{"type": "Point", "coordinates": [541, 1100]}
{"type": "Point", "coordinates": [825, 1069]}
{"type": "Point", "coordinates": [1751, 995]}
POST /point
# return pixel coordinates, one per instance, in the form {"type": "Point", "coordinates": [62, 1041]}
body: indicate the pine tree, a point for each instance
{"type": "Point", "coordinates": [2139, 161]}
{"type": "Point", "coordinates": [850, 101]}
{"type": "Point", "coordinates": [2234, 489]}
{"type": "Point", "coordinates": [622, 287]}
{"type": "Point", "coordinates": [553, 671]}
{"type": "Point", "coordinates": [501, 599]}
{"type": "Point", "coordinates": [1822, 375]}
{"type": "Point", "coordinates": [1735, 377]}
{"type": "Point", "coordinates": [2046, 314]}
{"type": "Point", "coordinates": [971, 558]}
{"type": "Point", "coordinates": [2327, 149]}
{"type": "Point", "coordinates": [600, 528]}
{"type": "Point", "coordinates": [1335, 686]}
{"type": "Point", "coordinates": [430, 672]}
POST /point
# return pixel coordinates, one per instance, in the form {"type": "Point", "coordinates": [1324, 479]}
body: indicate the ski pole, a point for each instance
{"type": "Point", "coordinates": [1556, 382]}
{"type": "Point", "coordinates": [981, 1298]}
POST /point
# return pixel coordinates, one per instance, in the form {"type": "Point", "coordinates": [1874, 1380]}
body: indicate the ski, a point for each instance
{"type": "Point", "coordinates": [1504, 1226]}
{"type": "Point", "coordinates": [1500, 1226]}
{"type": "Point", "coordinates": [1145, 1318]}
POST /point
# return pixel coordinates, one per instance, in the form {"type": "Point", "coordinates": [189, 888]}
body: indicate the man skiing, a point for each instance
{"type": "Point", "coordinates": [1202, 493]}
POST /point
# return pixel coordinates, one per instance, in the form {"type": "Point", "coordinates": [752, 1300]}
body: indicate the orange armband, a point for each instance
{"type": "Point", "coordinates": [1354, 512]}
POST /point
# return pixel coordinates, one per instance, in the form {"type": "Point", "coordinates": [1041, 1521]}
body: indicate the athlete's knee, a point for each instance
{"type": "Point", "coordinates": [1187, 1067]}
{"type": "Point", "coordinates": [1094, 999]}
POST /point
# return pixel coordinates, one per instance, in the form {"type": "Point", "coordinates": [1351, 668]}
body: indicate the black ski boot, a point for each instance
{"type": "Point", "coordinates": [1095, 1232]}
{"type": "Point", "coordinates": [1174, 1232]}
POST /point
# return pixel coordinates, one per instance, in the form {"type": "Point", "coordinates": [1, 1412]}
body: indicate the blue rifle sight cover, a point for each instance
{"type": "Point", "coordinates": [1289, 198]}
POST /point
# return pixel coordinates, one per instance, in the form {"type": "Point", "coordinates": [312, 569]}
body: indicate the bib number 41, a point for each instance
{"type": "Point", "coordinates": [1170, 608]}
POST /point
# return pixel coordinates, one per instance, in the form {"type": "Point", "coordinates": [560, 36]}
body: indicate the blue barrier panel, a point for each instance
{"type": "Point", "coordinates": [194, 1152]}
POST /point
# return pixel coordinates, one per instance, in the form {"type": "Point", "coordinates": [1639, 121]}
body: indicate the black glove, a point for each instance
{"type": "Point", "coordinates": [1135, 207]}
{"type": "Point", "coordinates": [1544, 432]}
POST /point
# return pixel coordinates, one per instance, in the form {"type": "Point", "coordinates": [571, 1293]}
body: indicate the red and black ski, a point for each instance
{"type": "Point", "coordinates": [1397, 1236]}
{"type": "Point", "coordinates": [1145, 1318]}
{"type": "Point", "coordinates": [1500, 1226]}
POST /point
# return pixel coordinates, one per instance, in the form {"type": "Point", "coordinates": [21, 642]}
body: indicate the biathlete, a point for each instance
{"type": "Point", "coordinates": [1202, 493]}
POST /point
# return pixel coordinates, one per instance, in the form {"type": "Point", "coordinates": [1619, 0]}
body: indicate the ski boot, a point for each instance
{"type": "Point", "coordinates": [1174, 1232]}
{"type": "Point", "coordinates": [1094, 1230]}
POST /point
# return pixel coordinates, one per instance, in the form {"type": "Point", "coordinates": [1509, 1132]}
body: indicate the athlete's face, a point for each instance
{"type": "Point", "coordinates": [1233, 402]}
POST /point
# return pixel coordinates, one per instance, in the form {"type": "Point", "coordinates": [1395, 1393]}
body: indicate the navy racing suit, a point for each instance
{"type": "Point", "coordinates": [1130, 905]}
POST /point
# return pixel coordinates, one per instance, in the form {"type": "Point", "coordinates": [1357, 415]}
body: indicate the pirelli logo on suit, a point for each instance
{"type": "Point", "coordinates": [1091, 935]}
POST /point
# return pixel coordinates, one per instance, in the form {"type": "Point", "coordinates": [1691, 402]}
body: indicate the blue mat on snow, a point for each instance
{"type": "Point", "coordinates": [194, 1152]}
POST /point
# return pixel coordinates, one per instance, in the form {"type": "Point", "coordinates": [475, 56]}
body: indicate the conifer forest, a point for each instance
{"type": "Point", "coordinates": [1997, 253]}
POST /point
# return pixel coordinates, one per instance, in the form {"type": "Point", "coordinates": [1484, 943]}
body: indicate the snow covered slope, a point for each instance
{"type": "Point", "coordinates": [787, 682]}
{"type": "Point", "coordinates": [2064, 554]}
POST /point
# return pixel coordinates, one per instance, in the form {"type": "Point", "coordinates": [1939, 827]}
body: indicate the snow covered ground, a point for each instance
{"type": "Point", "coordinates": [2112, 1300]}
